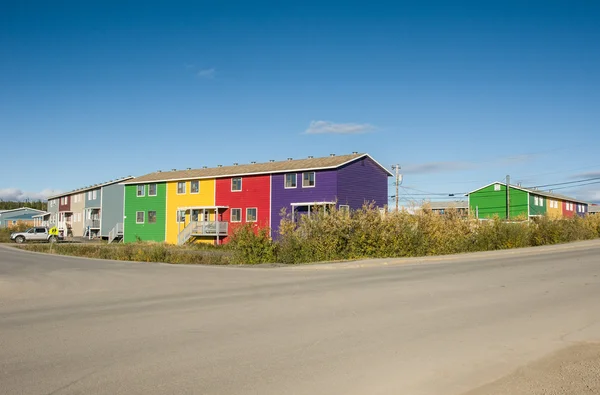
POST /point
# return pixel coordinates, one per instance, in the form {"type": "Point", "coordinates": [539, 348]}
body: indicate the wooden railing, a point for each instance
{"type": "Point", "coordinates": [202, 228]}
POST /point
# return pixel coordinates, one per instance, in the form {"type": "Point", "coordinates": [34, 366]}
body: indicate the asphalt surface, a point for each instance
{"type": "Point", "coordinates": [425, 326]}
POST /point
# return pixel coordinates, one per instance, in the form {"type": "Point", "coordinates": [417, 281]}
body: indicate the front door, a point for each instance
{"type": "Point", "coordinates": [195, 215]}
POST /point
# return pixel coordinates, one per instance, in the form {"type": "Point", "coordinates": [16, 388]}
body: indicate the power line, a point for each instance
{"type": "Point", "coordinates": [565, 183]}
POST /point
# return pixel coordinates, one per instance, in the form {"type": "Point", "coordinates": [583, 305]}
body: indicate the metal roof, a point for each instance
{"type": "Point", "coordinates": [309, 164]}
{"type": "Point", "coordinates": [91, 187]}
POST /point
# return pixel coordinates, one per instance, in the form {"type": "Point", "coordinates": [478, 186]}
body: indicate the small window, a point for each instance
{"type": "Point", "coordinates": [89, 195]}
{"type": "Point", "coordinates": [251, 214]}
{"type": "Point", "coordinates": [181, 187]}
{"type": "Point", "coordinates": [180, 216]}
{"type": "Point", "coordinates": [308, 179]}
{"type": "Point", "coordinates": [141, 190]}
{"type": "Point", "coordinates": [151, 217]}
{"type": "Point", "coordinates": [344, 209]}
{"type": "Point", "coordinates": [151, 192]}
{"type": "Point", "coordinates": [497, 187]}
{"type": "Point", "coordinates": [94, 194]}
{"type": "Point", "coordinates": [535, 200]}
{"type": "Point", "coordinates": [236, 184]}
{"type": "Point", "coordinates": [236, 215]}
{"type": "Point", "coordinates": [195, 186]}
{"type": "Point", "coordinates": [542, 201]}
{"type": "Point", "coordinates": [290, 180]}
{"type": "Point", "coordinates": [139, 217]}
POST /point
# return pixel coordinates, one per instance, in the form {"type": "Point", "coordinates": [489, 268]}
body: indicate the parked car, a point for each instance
{"type": "Point", "coordinates": [39, 233]}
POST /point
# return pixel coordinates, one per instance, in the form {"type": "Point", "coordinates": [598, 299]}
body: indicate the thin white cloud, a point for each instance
{"type": "Point", "coordinates": [206, 73]}
{"type": "Point", "coordinates": [437, 167]}
{"type": "Point", "coordinates": [16, 194]}
{"type": "Point", "coordinates": [326, 127]}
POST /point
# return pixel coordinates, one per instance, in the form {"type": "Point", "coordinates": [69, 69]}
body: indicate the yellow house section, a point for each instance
{"type": "Point", "coordinates": [204, 198]}
{"type": "Point", "coordinates": [554, 208]}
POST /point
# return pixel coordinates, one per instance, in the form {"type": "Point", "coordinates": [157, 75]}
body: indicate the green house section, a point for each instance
{"type": "Point", "coordinates": [491, 201]}
{"type": "Point", "coordinates": [540, 208]}
{"type": "Point", "coordinates": [146, 231]}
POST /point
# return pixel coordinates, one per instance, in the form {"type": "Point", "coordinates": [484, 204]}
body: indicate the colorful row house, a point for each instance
{"type": "Point", "coordinates": [493, 200]}
{"type": "Point", "coordinates": [93, 211]}
{"type": "Point", "coordinates": [207, 204]}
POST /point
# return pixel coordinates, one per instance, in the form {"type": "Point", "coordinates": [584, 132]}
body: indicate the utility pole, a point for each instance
{"type": "Point", "coordinates": [508, 197]}
{"type": "Point", "coordinates": [396, 167]}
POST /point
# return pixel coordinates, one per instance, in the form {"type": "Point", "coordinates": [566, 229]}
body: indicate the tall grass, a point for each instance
{"type": "Point", "coordinates": [5, 232]}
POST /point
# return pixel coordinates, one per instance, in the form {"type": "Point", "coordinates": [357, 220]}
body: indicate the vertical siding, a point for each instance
{"type": "Point", "coordinates": [78, 208]}
{"type": "Point", "coordinates": [64, 207]}
{"type": "Point", "coordinates": [255, 193]}
{"type": "Point", "coordinates": [489, 202]}
{"type": "Point", "coordinates": [540, 208]}
{"type": "Point", "coordinates": [93, 202]}
{"type": "Point", "coordinates": [325, 189]}
{"type": "Point", "coordinates": [145, 231]}
{"type": "Point", "coordinates": [205, 197]}
{"type": "Point", "coordinates": [111, 211]}
{"type": "Point", "coordinates": [362, 181]}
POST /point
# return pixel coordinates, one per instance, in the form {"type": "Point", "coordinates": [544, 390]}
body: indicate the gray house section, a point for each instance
{"type": "Point", "coordinates": [93, 200]}
{"type": "Point", "coordinates": [53, 210]}
{"type": "Point", "coordinates": [112, 207]}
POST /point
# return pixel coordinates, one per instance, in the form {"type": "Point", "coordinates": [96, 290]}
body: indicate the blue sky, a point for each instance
{"type": "Point", "coordinates": [460, 94]}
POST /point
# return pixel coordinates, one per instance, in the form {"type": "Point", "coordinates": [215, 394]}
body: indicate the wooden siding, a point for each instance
{"type": "Point", "coordinates": [568, 209]}
{"type": "Point", "coordinates": [325, 189]}
{"type": "Point", "coordinates": [554, 212]}
{"type": "Point", "coordinates": [538, 209]}
{"type": "Point", "coordinates": [487, 202]}
{"type": "Point", "coordinates": [362, 181]}
{"type": "Point", "coordinates": [205, 197]}
{"type": "Point", "coordinates": [66, 206]}
{"type": "Point", "coordinates": [255, 193]}
{"type": "Point", "coordinates": [146, 231]}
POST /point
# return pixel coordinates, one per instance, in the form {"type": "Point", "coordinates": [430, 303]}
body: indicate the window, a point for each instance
{"type": "Point", "coordinates": [151, 217]}
{"type": "Point", "coordinates": [497, 187]}
{"type": "Point", "coordinates": [94, 194]}
{"type": "Point", "coordinates": [139, 217]}
{"type": "Point", "coordinates": [251, 214]}
{"type": "Point", "coordinates": [344, 209]}
{"type": "Point", "coordinates": [290, 180]}
{"type": "Point", "coordinates": [181, 187]}
{"type": "Point", "coordinates": [308, 179]}
{"type": "Point", "coordinates": [90, 195]}
{"type": "Point", "coordinates": [180, 216]}
{"type": "Point", "coordinates": [542, 201]}
{"type": "Point", "coordinates": [195, 186]}
{"type": "Point", "coordinates": [151, 192]}
{"type": "Point", "coordinates": [236, 184]}
{"type": "Point", "coordinates": [535, 200]}
{"type": "Point", "coordinates": [236, 215]}
{"type": "Point", "coordinates": [141, 190]}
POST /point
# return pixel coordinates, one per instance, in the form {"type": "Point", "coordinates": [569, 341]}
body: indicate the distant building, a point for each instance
{"type": "Point", "coordinates": [22, 215]}
{"type": "Point", "coordinates": [461, 206]}
{"type": "Point", "coordinates": [593, 209]}
{"type": "Point", "coordinates": [491, 200]}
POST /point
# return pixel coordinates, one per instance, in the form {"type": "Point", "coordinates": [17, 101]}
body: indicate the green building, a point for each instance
{"type": "Point", "coordinates": [491, 200]}
{"type": "Point", "coordinates": [145, 212]}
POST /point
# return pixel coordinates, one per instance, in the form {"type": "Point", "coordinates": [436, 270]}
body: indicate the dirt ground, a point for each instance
{"type": "Point", "coordinates": [574, 370]}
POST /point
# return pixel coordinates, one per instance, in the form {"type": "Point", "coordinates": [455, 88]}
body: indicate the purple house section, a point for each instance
{"type": "Point", "coordinates": [362, 181]}
{"type": "Point", "coordinates": [353, 184]}
{"type": "Point", "coordinates": [325, 190]}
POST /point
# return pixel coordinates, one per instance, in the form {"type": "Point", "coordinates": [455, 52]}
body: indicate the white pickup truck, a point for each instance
{"type": "Point", "coordinates": [39, 233]}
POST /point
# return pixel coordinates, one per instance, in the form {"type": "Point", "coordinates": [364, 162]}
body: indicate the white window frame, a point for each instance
{"type": "Point", "coordinates": [180, 217]}
{"type": "Point", "coordinates": [236, 190]}
{"type": "Point", "coordinates": [151, 211]}
{"type": "Point", "coordinates": [541, 201]}
{"type": "Point", "coordinates": [535, 200]}
{"type": "Point", "coordinates": [95, 194]}
{"type": "Point", "coordinates": [137, 217]}
{"type": "Point", "coordinates": [344, 208]}
{"type": "Point", "coordinates": [89, 195]}
{"type": "Point", "coordinates": [314, 179]}
{"type": "Point", "coordinates": [497, 187]}
{"type": "Point", "coordinates": [191, 190]}
{"type": "Point", "coordinates": [285, 181]}
{"type": "Point", "coordinates": [143, 189]}
{"type": "Point", "coordinates": [184, 187]}
{"type": "Point", "coordinates": [255, 214]}
{"type": "Point", "coordinates": [239, 217]}
{"type": "Point", "coordinates": [155, 189]}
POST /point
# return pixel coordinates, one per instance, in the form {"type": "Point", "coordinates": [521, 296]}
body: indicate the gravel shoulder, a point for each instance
{"type": "Point", "coordinates": [574, 370]}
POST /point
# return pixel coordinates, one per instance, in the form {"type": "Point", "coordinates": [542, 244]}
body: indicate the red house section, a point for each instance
{"type": "Point", "coordinates": [255, 193]}
{"type": "Point", "coordinates": [64, 203]}
{"type": "Point", "coordinates": [569, 209]}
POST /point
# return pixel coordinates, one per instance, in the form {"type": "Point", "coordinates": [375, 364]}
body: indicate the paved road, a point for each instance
{"type": "Point", "coordinates": [442, 326]}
